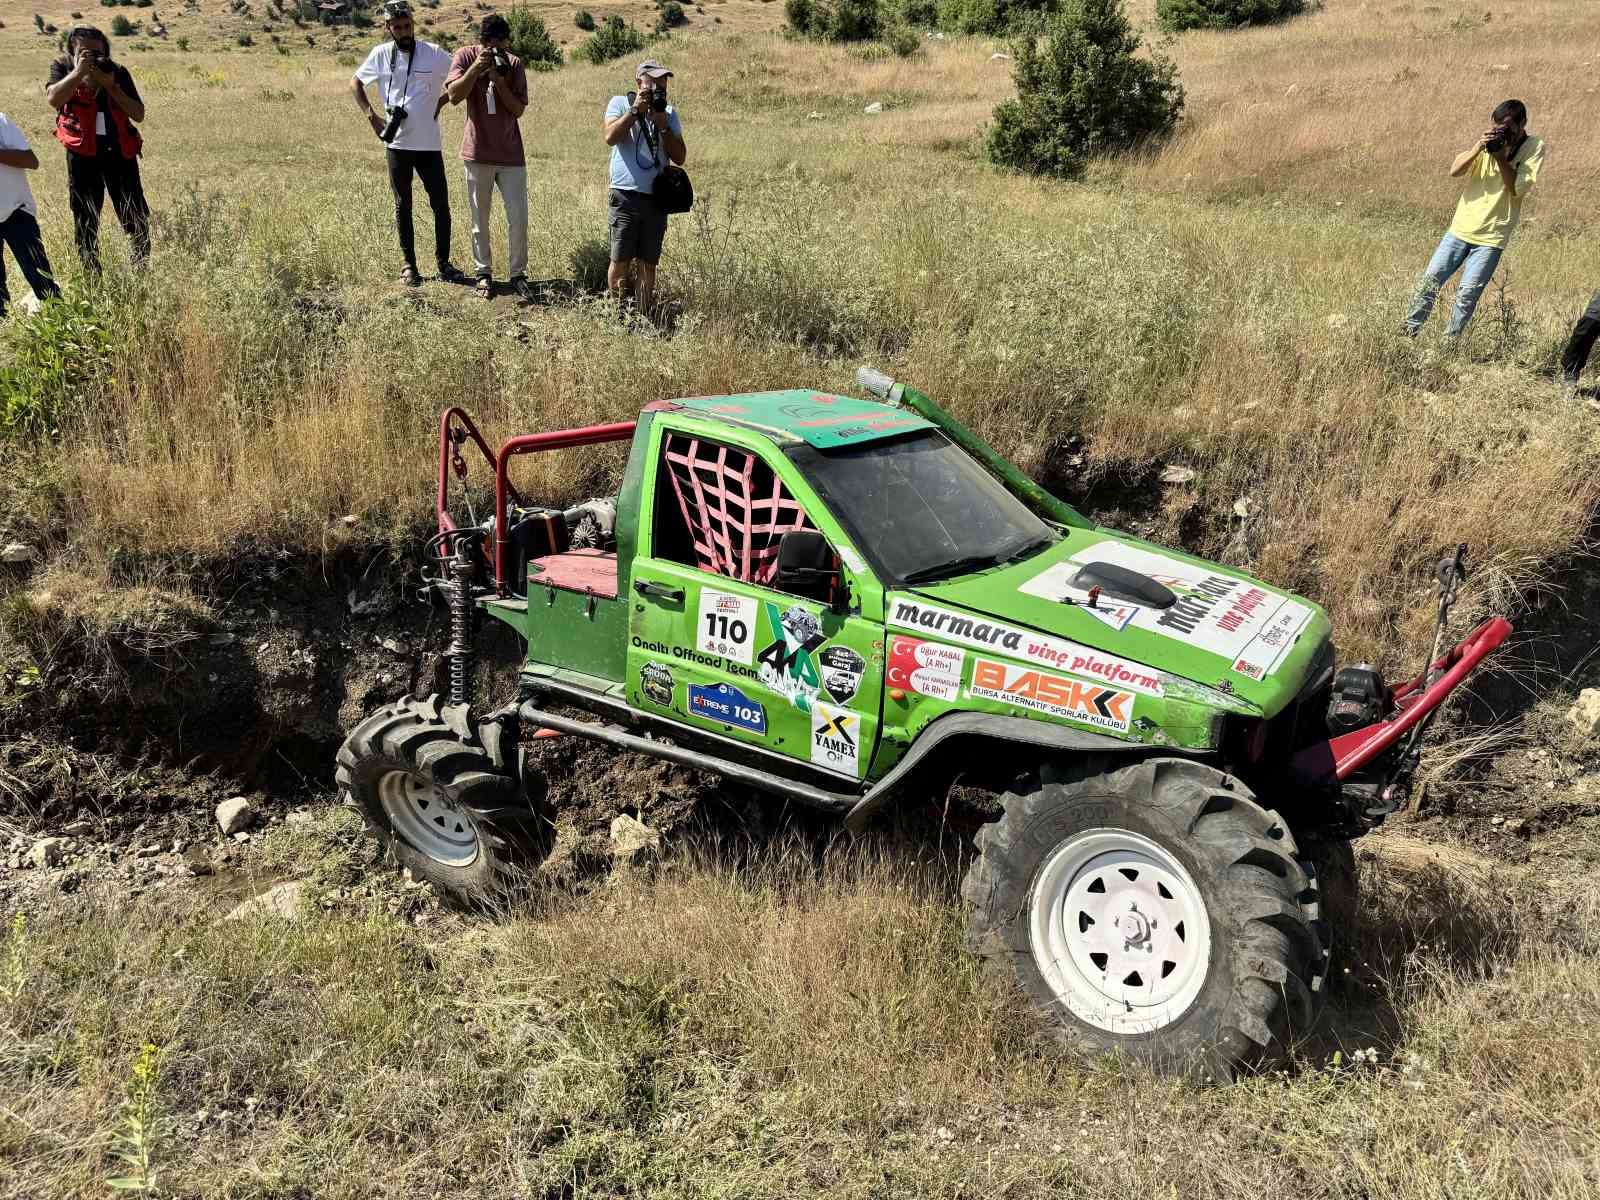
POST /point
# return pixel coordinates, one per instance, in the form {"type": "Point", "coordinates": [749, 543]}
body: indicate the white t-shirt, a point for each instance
{"type": "Point", "coordinates": [14, 190]}
{"type": "Point", "coordinates": [416, 81]}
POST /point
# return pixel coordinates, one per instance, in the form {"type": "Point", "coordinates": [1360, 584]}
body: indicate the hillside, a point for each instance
{"type": "Point", "coordinates": [228, 477]}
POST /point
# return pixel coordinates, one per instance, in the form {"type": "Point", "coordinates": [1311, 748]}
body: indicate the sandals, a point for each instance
{"type": "Point", "coordinates": [409, 276]}
{"type": "Point", "coordinates": [484, 287]}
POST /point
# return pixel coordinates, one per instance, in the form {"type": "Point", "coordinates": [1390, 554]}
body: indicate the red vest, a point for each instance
{"type": "Point", "coordinates": [76, 121]}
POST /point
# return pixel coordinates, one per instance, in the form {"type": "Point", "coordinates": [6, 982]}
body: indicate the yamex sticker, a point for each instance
{"type": "Point", "coordinates": [727, 626]}
{"type": "Point", "coordinates": [835, 739]}
{"type": "Point", "coordinates": [1072, 699]}
{"type": "Point", "coordinates": [842, 669]}
{"type": "Point", "coordinates": [926, 668]}
{"type": "Point", "coordinates": [1239, 619]}
{"type": "Point", "coordinates": [1039, 648]}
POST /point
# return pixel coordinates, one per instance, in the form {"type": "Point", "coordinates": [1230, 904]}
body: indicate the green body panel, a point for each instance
{"type": "Point", "coordinates": [849, 693]}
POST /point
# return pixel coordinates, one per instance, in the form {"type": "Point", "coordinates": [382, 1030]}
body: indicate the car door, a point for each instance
{"type": "Point", "coordinates": [716, 643]}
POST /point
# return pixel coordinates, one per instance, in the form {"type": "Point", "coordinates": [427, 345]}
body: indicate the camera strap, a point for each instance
{"type": "Point", "coordinates": [394, 54]}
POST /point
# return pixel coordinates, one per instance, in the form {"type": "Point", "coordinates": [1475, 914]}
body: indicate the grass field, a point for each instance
{"type": "Point", "coordinates": [742, 1029]}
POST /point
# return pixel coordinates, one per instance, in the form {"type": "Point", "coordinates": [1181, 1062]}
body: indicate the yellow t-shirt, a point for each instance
{"type": "Point", "coordinates": [1487, 213]}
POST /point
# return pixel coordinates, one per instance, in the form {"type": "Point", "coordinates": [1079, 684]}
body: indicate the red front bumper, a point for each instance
{"type": "Point", "coordinates": [1340, 757]}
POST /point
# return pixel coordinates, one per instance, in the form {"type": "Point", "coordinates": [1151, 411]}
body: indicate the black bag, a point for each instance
{"type": "Point", "coordinates": [673, 191]}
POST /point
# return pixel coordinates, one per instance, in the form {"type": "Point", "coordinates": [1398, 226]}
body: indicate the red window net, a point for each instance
{"type": "Point", "coordinates": [735, 508]}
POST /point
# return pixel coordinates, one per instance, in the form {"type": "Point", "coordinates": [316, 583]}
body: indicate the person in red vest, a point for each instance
{"type": "Point", "coordinates": [96, 107]}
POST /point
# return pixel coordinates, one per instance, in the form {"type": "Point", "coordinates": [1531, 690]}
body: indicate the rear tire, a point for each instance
{"type": "Point", "coordinates": [1156, 911]}
{"type": "Point", "coordinates": [446, 799]}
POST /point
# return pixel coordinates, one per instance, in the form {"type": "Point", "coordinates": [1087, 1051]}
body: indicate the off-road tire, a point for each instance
{"type": "Point", "coordinates": [1267, 959]}
{"type": "Point", "coordinates": [466, 780]}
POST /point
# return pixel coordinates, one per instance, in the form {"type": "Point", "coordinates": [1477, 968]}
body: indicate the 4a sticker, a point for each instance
{"type": "Point", "coordinates": [1071, 699]}
{"type": "Point", "coordinates": [926, 668]}
{"type": "Point", "coordinates": [988, 634]}
{"type": "Point", "coordinates": [656, 683]}
{"type": "Point", "coordinates": [842, 669]}
{"type": "Point", "coordinates": [727, 705]}
{"type": "Point", "coordinates": [836, 739]}
{"type": "Point", "coordinates": [787, 665]}
{"type": "Point", "coordinates": [727, 626]}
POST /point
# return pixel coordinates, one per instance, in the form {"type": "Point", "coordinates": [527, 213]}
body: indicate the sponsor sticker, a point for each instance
{"type": "Point", "coordinates": [727, 626]}
{"type": "Point", "coordinates": [787, 665]}
{"type": "Point", "coordinates": [1072, 699]}
{"type": "Point", "coordinates": [1239, 619]}
{"type": "Point", "coordinates": [842, 669]}
{"type": "Point", "coordinates": [835, 739]}
{"type": "Point", "coordinates": [986, 634]}
{"type": "Point", "coordinates": [656, 683]}
{"type": "Point", "coordinates": [727, 705]}
{"type": "Point", "coordinates": [926, 668]}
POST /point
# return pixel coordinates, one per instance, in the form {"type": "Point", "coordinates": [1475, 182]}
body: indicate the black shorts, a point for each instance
{"type": "Point", "coordinates": [638, 227]}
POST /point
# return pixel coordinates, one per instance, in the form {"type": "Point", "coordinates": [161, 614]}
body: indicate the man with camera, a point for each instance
{"type": "Point", "coordinates": [1501, 167]}
{"type": "Point", "coordinates": [410, 75]}
{"type": "Point", "coordinates": [493, 84]}
{"type": "Point", "coordinates": [644, 134]}
{"type": "Point", "coordinates": [97, 110]}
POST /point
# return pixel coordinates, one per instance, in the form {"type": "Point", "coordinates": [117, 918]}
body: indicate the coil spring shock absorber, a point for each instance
{"type": "Point", "coordinates": [463, 614]}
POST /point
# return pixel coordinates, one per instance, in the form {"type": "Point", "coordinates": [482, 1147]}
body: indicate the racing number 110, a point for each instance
{"type": "Point", "coordinates": [734, 631]}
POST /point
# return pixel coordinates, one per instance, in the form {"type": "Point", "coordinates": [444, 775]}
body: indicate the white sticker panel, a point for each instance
{"type": "Point", "coordinates": [835, 739]}
{"type": "Point", "coordinates": [727, 626]}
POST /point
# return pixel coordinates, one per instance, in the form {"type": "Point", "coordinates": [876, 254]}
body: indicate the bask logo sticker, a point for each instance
{"type": "Point", "coordinates": [1072, 699]}
{"type": "Point", "coordinates": [835, 739]}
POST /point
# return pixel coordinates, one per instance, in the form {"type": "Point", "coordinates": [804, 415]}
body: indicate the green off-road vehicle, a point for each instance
{"type": "Point", "coordinates": [849, 603]}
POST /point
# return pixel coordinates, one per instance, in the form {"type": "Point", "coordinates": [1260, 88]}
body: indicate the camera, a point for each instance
{"type": "Point", "coordinates": [500, 61]}
{"type": "Point", "coordinates": [658, 100]}
{"type": "Point", "coordinates": [397, 115]}
{"type": "Point", "coordinates": [1499, 141]}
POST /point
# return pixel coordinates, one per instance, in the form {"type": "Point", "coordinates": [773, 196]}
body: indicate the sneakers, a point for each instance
{"type": "Point", "coordinates": [410, 277]}
{"type": "Point", "coordinates": [450, 274]}
{"type": "Point", "coordinates": [523, 289]}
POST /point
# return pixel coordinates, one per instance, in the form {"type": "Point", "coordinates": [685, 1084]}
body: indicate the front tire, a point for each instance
{"type": "Point", "coordinates": [445, 798]}
{"type": "Point", "coordinates": [1155, 910]}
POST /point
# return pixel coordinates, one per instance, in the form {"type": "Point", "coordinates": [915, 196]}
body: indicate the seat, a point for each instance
{"type": "Point", "coordinates": [591, 572]}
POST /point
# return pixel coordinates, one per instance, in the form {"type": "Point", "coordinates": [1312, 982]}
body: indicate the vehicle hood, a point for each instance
{"type": "Point", "coordinates": [1224, 631]}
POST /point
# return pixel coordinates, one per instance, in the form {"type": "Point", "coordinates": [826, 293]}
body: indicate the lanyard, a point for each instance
{"type": "Point", "coordinates": [410, 63]}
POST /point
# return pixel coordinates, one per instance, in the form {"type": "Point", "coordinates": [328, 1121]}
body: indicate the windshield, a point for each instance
{"type": "Point", "coordinates": [922, 510]}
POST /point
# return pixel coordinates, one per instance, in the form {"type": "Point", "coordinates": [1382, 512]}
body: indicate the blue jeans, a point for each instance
{"type": "Point", "coordinates": [1476, 264]}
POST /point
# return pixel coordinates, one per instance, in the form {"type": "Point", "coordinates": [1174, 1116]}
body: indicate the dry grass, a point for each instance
{"type": "Point", "coordinates": [769, 1029]}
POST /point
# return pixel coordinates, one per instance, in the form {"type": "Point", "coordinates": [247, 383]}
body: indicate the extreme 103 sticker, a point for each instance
{"type": "Point", "coordinates": [727, 705]}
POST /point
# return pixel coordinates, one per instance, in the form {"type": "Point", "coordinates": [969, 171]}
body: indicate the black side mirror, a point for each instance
{"type": "Point", "coordinates": [807, 567]}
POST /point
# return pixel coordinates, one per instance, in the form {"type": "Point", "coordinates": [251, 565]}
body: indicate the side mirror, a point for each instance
{"type": "Point", "coordinates": [807, 567]}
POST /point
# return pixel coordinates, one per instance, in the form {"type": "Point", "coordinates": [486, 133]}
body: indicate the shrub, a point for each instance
{"type": "Point", "coordinates": [38, 22]}
{"type": "Point", "coordinates": [183, 43]}
{"type": "Point", "coordinates": [672, 15]}
{"type": "Point", "coordinates": [833, 20]}
{"type": "Point", "coordinates": [531, 41]}
{"type": "Point", "coordinates": [1082, 91]}
{"type": "Point", "coordinates": [584, 20]}
{"type": "Point", "coordinates": [902, 39]}
{"type": "Point", "coordinates": [121, 26]}
{"type": "Point", "coordinates": [1178, 15]}
{"type": "Point", "coordinates": [612, 40]}
{"type": "Point", "coordinates": [361, 20]}
{"type": "Point", "coordinates": [244, 39]}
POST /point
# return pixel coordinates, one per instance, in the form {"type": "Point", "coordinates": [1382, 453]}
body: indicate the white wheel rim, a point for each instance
{"type": "Point", "coordinates": [1119, 931]}
{"type": "Point", "coordinates": [427, 820]}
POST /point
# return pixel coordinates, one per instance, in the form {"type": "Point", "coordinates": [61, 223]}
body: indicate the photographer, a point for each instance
{"type": "Point", "coordinates": [644, 133]}
{"type": "Point", "coordinates": [1500, 168]}
{"type": "Point", "coordinates": [97, 107]}
{"type": "Point", "coordinates": [494, 86]}
{"type": "Point", "coordinates": [19, 216]}
{"type": "Point", "coordinates": [410, 77]}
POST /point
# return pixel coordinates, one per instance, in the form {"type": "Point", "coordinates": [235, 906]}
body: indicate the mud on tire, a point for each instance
{"type": "Point", "coordinates": [1155, 910]}
{"type": "Point", "coordinates": [448, 800]}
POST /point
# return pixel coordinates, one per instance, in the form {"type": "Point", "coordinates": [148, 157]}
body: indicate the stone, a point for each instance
{"type": "Point", "coordinates": [147, 851]}
{"type": "Point", "coordinates": [82, 827]}
{"type": "Point", "coordinates": [1003, 57]}
{"type": "Point", "coordinates": [241, 837]}
{"type": "Point", "coordinates": [632, 839]}
{"type": "Point", "coordinates": [1177, 474]}
{"type": "Point", "coordinates": [48, 852]}
{"type": "Point", "coordinates": [234, 815]}
{"type": "Point", "coordinates": [18, 554]}
{"type": "Point", "coordinates": [282, 901]}
{"type": "Point", "coordinates": [1584, 715]}
{"type": "Point", "coordinates": [874, 108]}
{"type": "Point", "coordinates": [396, 647]}
{"type": "Point", "coordinates": [1244, 507]}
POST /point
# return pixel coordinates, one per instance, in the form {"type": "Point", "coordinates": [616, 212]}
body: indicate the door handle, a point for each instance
{"type": "Point", "coordinates": [659, 590]}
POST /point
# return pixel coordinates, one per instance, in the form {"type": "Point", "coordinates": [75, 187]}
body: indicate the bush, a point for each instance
{"type": "Point", "coordinates": [584, 20]}
{"type": "Point", "coordinates": [1178, 15]}
{"type": "Point", "coordinates": [902, 39]}
{"type": "Point", "coordinates": [834, 20]}
{"type": "Point", "coordinates": [121, 26]}
{"type": "Point", "coordinates": [531, 41]}
{"type": "Point", "coordinates": [612, 40]}
{"type": "Point", "coordinates": [672, 15]}
{"type": "Point", "coordinates": [1082, 91]}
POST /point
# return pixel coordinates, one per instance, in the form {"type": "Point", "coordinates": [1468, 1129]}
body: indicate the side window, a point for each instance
{"type": "Point", "coordinates": [721, 509]}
